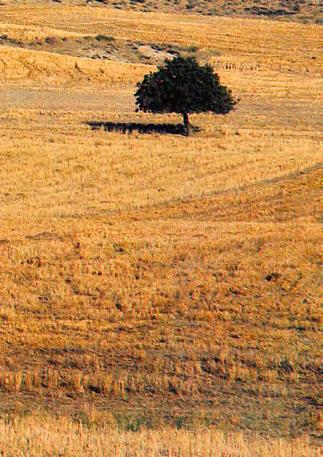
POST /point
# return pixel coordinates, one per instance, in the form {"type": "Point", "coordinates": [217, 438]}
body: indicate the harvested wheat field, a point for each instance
{"type": "Point", "coordinates": [60, 437]}
{"type": "Point", "coordinates": [155, 285]}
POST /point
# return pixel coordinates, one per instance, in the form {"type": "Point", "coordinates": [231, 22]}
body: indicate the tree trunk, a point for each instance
{"type": "Point", "coordinates": [187, 124]}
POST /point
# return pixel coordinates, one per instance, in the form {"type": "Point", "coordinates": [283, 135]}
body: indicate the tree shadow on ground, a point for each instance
{"type": "Point", "coordinates": [130, 127]}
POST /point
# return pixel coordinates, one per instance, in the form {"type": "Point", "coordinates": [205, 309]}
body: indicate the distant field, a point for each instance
{"type": "Point", "coordinates": [163, 280]}
{"type": "Point", "coordinates": [305, 11]}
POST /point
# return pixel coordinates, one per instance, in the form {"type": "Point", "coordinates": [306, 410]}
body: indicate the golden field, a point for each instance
{"type": "Point", "coordinates": [155, 280]}
{"type": "Point", "coordinates": [60, 437]}
{"type": "Point", "coordinates": [305, 11]}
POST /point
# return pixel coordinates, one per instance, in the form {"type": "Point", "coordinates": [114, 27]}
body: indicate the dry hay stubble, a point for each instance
{"type": "Point", "coordinates": [194, 260]}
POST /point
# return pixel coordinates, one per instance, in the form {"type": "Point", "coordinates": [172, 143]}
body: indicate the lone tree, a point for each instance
{"type": "Point", "coordinates": [183, 86]}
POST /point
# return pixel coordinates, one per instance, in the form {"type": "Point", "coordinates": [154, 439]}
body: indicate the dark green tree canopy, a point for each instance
{"type": "Point", "coordinates": [183, 86]}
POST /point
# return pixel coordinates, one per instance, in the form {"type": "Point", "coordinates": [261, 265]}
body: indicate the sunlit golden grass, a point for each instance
{"type": "Point", "coordinates": [70, 184]}
{"type": "Point", "coordinates": [270, 39]}
{"type": "Point", "coordinates": [25, 32]}
{"type": "Point", "coordinates": [161, 290]}
{"type": "Point", "coordinates": [160, 277]}
{"type": "Point", "coordinates": [44, 68]}
{"type": "Point", "coordinates": [34, 437]}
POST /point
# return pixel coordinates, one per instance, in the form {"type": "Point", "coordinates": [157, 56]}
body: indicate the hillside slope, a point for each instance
{"type": "Point", "coordinates": [299, 10]}
{"type": "Point", "coordinates": [109, 34]}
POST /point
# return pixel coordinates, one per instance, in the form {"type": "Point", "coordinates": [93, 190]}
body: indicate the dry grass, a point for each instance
{"type": "Point", "coordinates": [168, 278]}
{"type": "Point", "coordinates": [25, 32]}
{"type": "Point", "coordinates": [34, 437]}
{"type": "Point", "coordinates": [305, 11]}
{"type": "Point", "coordinates": [276, 48]}
{"type": "Point", "coordinates": [45, 68]}
{"type": "Point", "coordinates": [227, 35]}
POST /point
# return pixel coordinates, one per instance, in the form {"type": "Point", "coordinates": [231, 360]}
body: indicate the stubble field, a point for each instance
{"type": "Point", "coordinates": [151, 280]}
